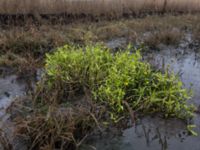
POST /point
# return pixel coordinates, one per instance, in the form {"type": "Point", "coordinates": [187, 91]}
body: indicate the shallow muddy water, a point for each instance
{"type": "Point", "coordinates": [149, 133]}
{"type": "Point", "coordinates": [153, 133]}
{"type": "Point", "coordinates": [10, 88]}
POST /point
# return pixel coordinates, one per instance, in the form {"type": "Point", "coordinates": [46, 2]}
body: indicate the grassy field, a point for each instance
{"type": "Point", "coordinates": [97, 7]}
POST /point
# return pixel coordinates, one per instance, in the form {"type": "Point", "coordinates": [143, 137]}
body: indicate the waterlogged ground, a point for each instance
{"type": "Point", "coordinates": [10, 88]}
{"type": "Point", "coordinates": [149, 133]}
{"type": "Point", "coordinates": [154, 133]}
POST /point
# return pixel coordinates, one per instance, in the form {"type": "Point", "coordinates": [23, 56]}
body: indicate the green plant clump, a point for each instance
{"type": "Point", "coordinates": [115, 79]}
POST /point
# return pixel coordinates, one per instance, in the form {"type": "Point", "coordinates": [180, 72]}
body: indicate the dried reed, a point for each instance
{"type": "Point", "coordinates": [97, 7]}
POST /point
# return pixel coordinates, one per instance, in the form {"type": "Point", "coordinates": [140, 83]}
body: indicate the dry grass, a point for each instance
{"type": "Point", "coordinates": [4, 142]}
{"type": "Point", "coordinates": [47, 125]}
{"type": "Point", "coordinates": [166, 37]}
{"type": "Point", "coordinates": [28, 44]}
{"type": "Point", "coordinates": [23, 66]}
{"type": "Point", "coordinates": [40, 39]}
{"type": "Point", "coordinates": [63, 128]}
{"type": "Point", "coordinates": [197, 34]}
{"type": "Point", "coordinates": [113, 8]}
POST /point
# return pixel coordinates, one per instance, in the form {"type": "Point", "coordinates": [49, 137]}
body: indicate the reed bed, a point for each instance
{"type": "Point", "coordinates": [97, 7]}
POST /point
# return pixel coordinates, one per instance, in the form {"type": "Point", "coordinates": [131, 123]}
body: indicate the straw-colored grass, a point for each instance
{"type": "Point", "coordinates": [19, 43]}
{"type": "Point", "coordinates": [97, 7]}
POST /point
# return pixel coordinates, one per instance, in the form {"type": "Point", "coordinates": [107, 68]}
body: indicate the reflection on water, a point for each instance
{"type": "Point", "coordinates": [149, 134]}
{"type": "Point", "coordinates": [156, 133]}
{"type": "Point", "coordinates": [185, 63]}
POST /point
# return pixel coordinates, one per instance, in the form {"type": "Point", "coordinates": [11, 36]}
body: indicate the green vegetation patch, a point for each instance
{"type": "Point", "coordinates": [84, 88]}
{"type": "Point", "coordinates": [115, 79]}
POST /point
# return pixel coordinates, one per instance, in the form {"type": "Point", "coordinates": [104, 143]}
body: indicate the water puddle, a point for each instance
{"type": "Point", "coordinates": [153, 133]}
{"type": "Point", "coordinates": [116, 43]}
{"type": "Point", "coordinates": [185, 63]}
{"type": "Point", "coordinates": [10, 88]}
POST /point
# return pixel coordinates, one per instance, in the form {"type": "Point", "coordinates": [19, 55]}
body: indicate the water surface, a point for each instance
{"type": "Point", "coordinates": [154, 133]}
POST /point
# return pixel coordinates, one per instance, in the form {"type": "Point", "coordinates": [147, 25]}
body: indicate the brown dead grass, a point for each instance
{"type": "Point", "coordinates": [25, 67]}
{"type": "Point", "coordinates": [113, 8]}
{"type": "Point", "coordinates": [166, 37]}
{"type": "Point", "coordinates": [40, 39]}
{"type": "Point", "coordinates": [49, 125]}
{"type": "Point", "coordinates": [197, 34]}
{"type": "Point", "coordinates": [25, 46]}
{"type": "Point", "coordinates": [60, 128]}
{"type": "Point", "coordinates": [4, 142]}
